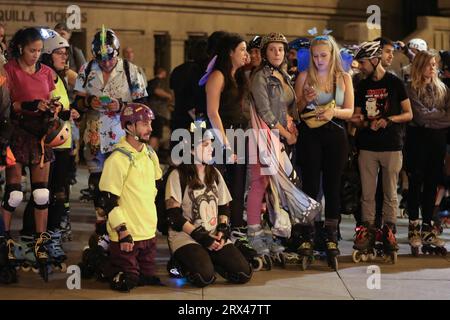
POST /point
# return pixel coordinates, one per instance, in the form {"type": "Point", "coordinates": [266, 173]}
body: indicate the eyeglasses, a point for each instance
{"type": "Point", "coordinates": [61, 53]}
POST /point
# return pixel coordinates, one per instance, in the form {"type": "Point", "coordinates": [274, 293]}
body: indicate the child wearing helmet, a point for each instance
{"type": "Point", "coordinates": [127, 201]}
{"type": "Point", "coordinates": [199, 216]}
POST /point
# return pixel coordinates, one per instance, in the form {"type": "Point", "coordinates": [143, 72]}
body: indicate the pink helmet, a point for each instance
{"type": "Point", "coordinates": [134, 112]}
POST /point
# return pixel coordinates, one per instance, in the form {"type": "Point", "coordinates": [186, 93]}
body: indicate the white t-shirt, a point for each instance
{"type": "Point", "coordinates": [200, 207]}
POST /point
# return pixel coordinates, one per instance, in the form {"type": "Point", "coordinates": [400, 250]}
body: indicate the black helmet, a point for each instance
{"type": "Point", "coordinates": [107, 48]}
{"type": "Point", "coordinates": [299, 43]}
{"type": "Point", "coordinates": [255, 43]}
{"type": "Point", "coordinates": [368, 50]}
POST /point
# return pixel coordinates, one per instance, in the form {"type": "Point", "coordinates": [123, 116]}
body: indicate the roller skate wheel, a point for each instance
{"type": "Point", "coordinates": [372, 256]}
{"type": "Point", "coordinates": [26, 268]}
{"type": "Point", "coordinates": [63, 267]}
{"type": "Point", "coordinates": [60, 267]}
{"type": "Point", "coordinates": [282, 260]}
{"type": "Point", "coordinates": [267, 263]}
{"type": "Point", "coordinates": [356, 256]}
{"type": "Point", "coordinates": [415, 251]}
{"type": "Point", "coordinates": [364, 257]}
{"type": "Point", "coordinates": [35, 270]}
{"type": "Point", "coordinates": [257, 263]}
{"type": "Point", "coordinates": [333, 263]}
{"type": "Point", "coordinates": [304, 262]}
{"type": "Point", "coordinates": [394, 257]}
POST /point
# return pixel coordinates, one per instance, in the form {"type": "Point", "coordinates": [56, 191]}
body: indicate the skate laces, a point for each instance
{"type": "Point", "coordinates": [331, 245]}
{"type": "Point", "coordinates": [54, 246]}
{"type": "Point", "coordinates": [39, 248]}
{"type": "Point", "coordinates": [389, 235]}
{"type": "Point", "coordinates": [11, 245]}
{"type": "Point", "coordinates": [361, 233]}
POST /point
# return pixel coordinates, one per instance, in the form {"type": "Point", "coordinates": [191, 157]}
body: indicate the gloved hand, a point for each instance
{"type": "Point", "coordinates": [202, 237]}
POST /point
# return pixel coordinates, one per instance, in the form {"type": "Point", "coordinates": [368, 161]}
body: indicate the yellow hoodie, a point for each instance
{"type": "Point", "coordinates": [132, 178]}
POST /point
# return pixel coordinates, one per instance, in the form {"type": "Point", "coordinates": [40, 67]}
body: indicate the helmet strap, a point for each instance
{"type": "Point", "coordinates": [374, 66]}
{"type": "Point", "coordinates": [135, 136]}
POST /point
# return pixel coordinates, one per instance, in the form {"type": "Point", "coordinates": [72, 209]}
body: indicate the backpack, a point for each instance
{"type": "Point", "coordinates": [160, 201]}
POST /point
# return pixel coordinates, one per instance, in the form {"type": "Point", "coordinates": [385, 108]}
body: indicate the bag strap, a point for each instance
{"type": "Point", "coordinates": [87, 71]}
{"type": "Point", "coordinates": [126, 67]}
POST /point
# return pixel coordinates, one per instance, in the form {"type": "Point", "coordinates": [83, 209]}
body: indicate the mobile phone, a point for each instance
{"type": "Point", "coordinates": [54, 99]}
{"type": "Point", "coordinates": [105, 100]}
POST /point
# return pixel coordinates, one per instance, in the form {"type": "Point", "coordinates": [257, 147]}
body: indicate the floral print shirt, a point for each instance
{"type": "Point", "coordinates": [103, 128]}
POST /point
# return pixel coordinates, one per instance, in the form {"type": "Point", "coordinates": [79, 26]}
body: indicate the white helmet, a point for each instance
{"type": "Point", "coordinates": [53, 41]}
{"type": "Point", "coordinates": [418, 44]}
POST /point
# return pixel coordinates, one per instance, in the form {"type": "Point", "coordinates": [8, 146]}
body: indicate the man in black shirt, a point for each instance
{"type": "Point", "coordinates": [383, 106]}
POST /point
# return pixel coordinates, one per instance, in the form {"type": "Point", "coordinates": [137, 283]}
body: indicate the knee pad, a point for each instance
{"type": "Point", "coordinates": [13, 197]}
{"type": "Point", "coordinates": [41, 195]}
{"type": "Point", "coordinates": [197, 280]}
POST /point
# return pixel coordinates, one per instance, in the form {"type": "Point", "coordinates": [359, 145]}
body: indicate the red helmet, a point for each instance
{"type": "Point", "coordinates": [57, 133]}
{"type": "Point", "coordinates": [134, 112]}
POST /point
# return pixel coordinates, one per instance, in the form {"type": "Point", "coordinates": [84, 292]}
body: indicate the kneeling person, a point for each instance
{"type": "Point", "coordinates": [128, 193]}
{"type": "Point", "coordinates": [199, 219]}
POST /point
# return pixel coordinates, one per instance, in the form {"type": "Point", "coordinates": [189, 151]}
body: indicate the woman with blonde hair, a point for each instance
{"type": "Point", "coordinates": [325, 95]}
{"type": "Point", "coordinates": [425, 146]}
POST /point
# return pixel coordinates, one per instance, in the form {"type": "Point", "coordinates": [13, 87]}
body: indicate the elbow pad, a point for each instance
{"type": "Point", "coordinates": [224, 210]}
{"type": "Point", "coordinates": [107, 202]}
{"type": "Point", "coordinates": [176, 219]}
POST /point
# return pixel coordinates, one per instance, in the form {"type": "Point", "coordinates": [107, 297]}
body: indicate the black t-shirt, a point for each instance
{"type": "Point", "coordinates": [381, 99]}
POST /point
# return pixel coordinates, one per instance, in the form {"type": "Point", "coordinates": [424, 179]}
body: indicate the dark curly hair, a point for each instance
{"type": "Point", "coordinates": [22, 38]}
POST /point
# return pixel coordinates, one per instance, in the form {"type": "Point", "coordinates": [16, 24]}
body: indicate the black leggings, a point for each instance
{"type": "Point", "coordinates": [228, 262]}
{"type": "Point", "coordinates": [425, 153]}
{"type": "Point", "coordinates": [325, 150]}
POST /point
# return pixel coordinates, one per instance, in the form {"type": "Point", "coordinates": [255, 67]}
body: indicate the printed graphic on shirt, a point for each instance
{"type": "Point", "coordinates": [377, 103]}
{"type": "Point", "coordinates": [204, 206]}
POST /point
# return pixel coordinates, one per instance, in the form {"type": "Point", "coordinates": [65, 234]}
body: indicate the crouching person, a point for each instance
{"type": "Point", "coordinates": [198, 213]}
{"type": "Point", "coordinates": [128, 193]}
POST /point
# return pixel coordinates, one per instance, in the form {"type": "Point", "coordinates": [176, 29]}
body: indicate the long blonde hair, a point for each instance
{"type": "Point", "coordinates": [336, 68]}
{"type": "Point", "coordinates": [420, 62]}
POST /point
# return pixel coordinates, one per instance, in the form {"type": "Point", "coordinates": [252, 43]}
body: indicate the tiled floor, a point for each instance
{"type": "Point", "coordinates": [425, 277]}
